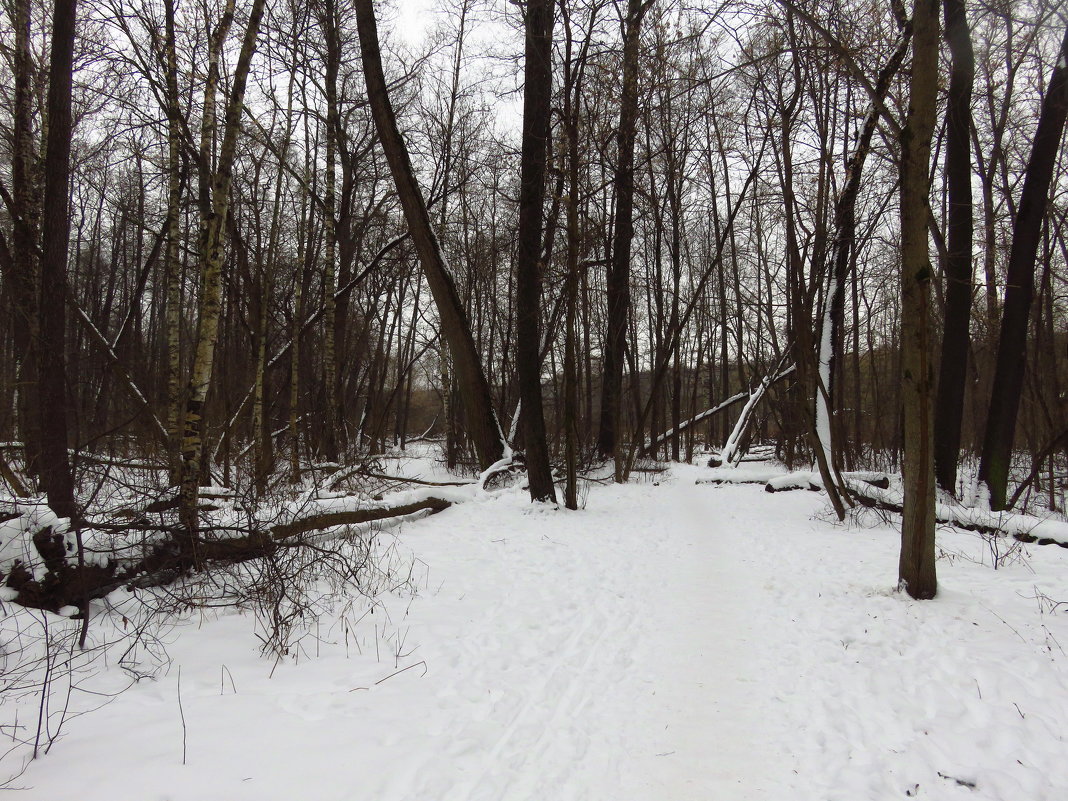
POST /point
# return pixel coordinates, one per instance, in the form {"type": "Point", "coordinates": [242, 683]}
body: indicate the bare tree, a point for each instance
{"type": "Point", "coordinates": [618, 283]}
{"type": "Point", "coordinates": [172, 264]}
{"type": "Point", "coordinates": [953, 365]}
{"type": "Point", "coordinates": [916, 570]}
{"type": "Point", "coordinates": [22, 277]}
{"type": "Point", "coordinates": [537, 98]}
{"type": "Point", "coordinates": [212, 243]}
{"type": "Point", "coordinates": [482, 422]}
{"type": "Point", "coordinates": [1020, 285]}
{"type": "Point", "coordinates": [56, 474]}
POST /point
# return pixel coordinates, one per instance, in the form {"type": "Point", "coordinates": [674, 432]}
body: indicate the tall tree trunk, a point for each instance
{"type": "Point", "coordinates": [537, 96]}
{"type": "Point", "coordinates": [618, 283]}
{"type": "Point", "coordinates": [172, 265]}
{"type": "Point", "coordinates": [23, 280]}
{"type": "Point", "coordinates": [570, 389]}
{"type": "Point", "coordinates": [1019, 287]}
{"type": "Point", "coordinates": [916, 569]}
{"type": "Point", "coordinates": [333, 123]}
{"type": "Point", "coordinates": [474, 389]}
{"type": "Point", "coordinates": [261, 428]}
{"type": "Point", "coordinates": [809, 381]}
{"type": "Point", "coordinates": [677, 167]}
{"type": "Point", "coordinates": [56, 475]}
{"type": "Point", "coordinates": [832, 343]}
{"type": "Point", "coordinates": [953, 367]}
{"type": "Point", "coordinates": [213, 227]}
{"type": "Point", "coordinates": [304, 237]}
{"type": "Point", "coordinates": [574, 70]}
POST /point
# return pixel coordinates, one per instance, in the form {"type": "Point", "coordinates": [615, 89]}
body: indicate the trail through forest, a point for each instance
{"type": "Point", "coordinates": [670, 641]}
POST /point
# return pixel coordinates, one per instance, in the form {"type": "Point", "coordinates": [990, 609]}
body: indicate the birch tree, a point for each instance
{"type": "Point", "coordinates": [211, 253]}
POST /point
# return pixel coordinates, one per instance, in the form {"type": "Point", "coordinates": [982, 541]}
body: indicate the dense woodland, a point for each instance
{"type": "Point", "coordinates": [294, 238]}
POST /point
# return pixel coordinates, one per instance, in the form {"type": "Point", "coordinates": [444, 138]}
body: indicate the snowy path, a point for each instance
{"type": "Point", "coordinates": [668, 643]}
{"type": "Point", "coordinates": [582, 659]}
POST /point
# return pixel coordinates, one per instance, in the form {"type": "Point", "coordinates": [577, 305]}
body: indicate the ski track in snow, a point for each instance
{"type": "Point", "coordinates": [668, 643]}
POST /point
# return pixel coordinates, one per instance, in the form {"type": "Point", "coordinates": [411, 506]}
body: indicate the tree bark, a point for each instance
{"type": "Point", "coordinates": [916, 568]}
{"type": "Point", "coordinates": [574, 70]}
{"type": "Point", "coordinates": [213, 227]}
{"type": "Point", "coordinates": [537, 96]}
{"type": "Point", "coordinates": [328, 20]}
{"type": "Point", "coordinates": [23, 279]}
{"type": "Point", "coordinates": [172, 265]}
{"type": "Point", "coordinates": [56, 475]}
{"type": "Point", "coordinates": [618, 280]}
{"type": "Point", "coordinates": [474, 389]}
{"type": "Point", "coordinates": [1019, 287]}
{"type": "Point", "coordinates": [952, 371]}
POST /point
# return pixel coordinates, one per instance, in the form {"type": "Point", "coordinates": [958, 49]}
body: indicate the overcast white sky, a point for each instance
{"type": "Point", "coordinates": [415, 17]}
{"type": "Point", "coordinates": [486, 30]}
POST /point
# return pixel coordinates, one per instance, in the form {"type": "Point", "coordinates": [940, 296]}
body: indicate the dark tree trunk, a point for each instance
{"type": "Point", "coordinates": [328, 20]}
{"type": "Point", "coordinates": [22, 279]}
{"type": "Point", "coordinates": [482, 423]}
{"type": "Point", "coordinates": [618, 284]}
{"type": "Point", "coordinates": [56, 476]}
{"type": "Point", "coordinates": [1019, 287]}
{"type": "Point", "coordinates": [574, 68]}
{"type": "Point", "coordinates": [537, 97]}
{"type": "Point", "coordinates": [949, 405]}
{"type": "Point", "coordinates": [916, 568]}
{"type": "Point", "coordinates": [172, 265]}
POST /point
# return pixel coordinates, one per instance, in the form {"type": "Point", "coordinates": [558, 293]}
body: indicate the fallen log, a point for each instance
{"type": "Point", "coordinates": [1019, 527]}
{"type": "Point", "coordinates": [776, 481]}
{"type": "Point", "coordinates": [814, 482]}
{"type": "Point", "coordinates": [649, 448]}
{"type": "Point", "coordinates": [365, 472]}
{"type": "Point", "coordinates": [731, 452]}
{"type": "Point", "coordinates": [355, 516]}
{"type": "Point", "coordinates": [65, 584]}
{"type": "Point", "coordinates": [870, 490]}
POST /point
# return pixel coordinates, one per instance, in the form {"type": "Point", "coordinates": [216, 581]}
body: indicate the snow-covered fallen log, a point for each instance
{"type": "Point", "coordinates": [742, 475]}
{"type": "Point", "coordinates": [731, 453]}
{"type": "Point", "coordinates": [1025, 528]}
{"type": "Point", "coordinates": [324, 520]}
{"type": "Point", "coordinates": [42, 566]}
{"type": "Point", "coordinates": [814, 481]}
{"type": "Point", "coordinates": [774, 480]}
{"type": "Point", "coordinates": [651, 446]}
{"type": "Point", "coordinates": [873, 490]}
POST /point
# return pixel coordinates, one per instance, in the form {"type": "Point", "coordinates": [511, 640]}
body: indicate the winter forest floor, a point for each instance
{"type": "Point", "coordinates": [670, 642]}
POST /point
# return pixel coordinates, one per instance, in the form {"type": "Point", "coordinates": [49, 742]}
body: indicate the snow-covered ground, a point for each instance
{"type": "Point", "coordinates": [670, 642]}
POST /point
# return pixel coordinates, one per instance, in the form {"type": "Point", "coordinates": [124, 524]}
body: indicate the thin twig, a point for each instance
{"type": "Point", "coordinates": [181, 712]}
{"type": "Point", "coordinates": [391, 675]}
